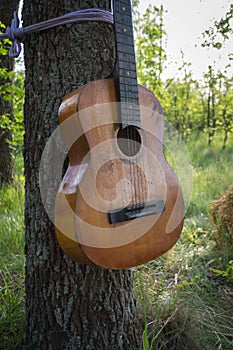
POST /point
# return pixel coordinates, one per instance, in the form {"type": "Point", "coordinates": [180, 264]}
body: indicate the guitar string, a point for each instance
{"type": "Point", "coordinates": [133, 150]}
{"type": "Point", "coordinates": [141, 180]}
{"type": "Point", "coordinates": [137, 150]}
{"type": "Point", "coordinates": [132, 163]}
{"type": "Point", "coordinates": [129, 142]}
{"type": "Point", "coordinates": [128, 134]}
{"type": "Point", "coordinates": [135, 146]}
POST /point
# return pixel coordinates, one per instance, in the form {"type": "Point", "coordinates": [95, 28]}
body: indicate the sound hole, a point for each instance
{"type": "Point", "coordinates": [129, 140]}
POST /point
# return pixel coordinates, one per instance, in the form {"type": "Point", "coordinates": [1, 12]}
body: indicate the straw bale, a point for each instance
{"type": "Point", "coordinates": [222, 217]}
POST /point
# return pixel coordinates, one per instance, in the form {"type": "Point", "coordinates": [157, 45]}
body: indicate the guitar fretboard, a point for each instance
{"type": "Point", "coordinates": [125, 68]}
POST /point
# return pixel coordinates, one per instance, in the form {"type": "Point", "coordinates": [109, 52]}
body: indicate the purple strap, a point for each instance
{"type": "Point", "coordinates": [17, 35]}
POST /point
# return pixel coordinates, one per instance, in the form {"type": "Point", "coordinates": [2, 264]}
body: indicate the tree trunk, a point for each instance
{"type": "Point", "coordinates": [6, 106]}
{"type": "Point", "coordinates": [68, 306]}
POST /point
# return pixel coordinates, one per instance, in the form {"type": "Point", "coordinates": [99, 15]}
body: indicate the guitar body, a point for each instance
{"type": "Point", "coordinates": [119, 204]}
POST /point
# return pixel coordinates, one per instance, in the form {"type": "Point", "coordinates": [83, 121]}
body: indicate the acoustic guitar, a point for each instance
{"type": "Point", "coordinates": [119, 204]}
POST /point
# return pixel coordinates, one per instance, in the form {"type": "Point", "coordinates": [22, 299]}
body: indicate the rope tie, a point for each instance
{"type": "Point", "coordinates": [17, 34]}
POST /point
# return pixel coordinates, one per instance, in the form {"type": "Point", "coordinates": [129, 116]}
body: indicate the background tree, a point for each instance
{"type": "Point", "coordinates": [191, 106]}
{"type": "Point", "coordinates": [225, 120]}
{"type": "Point", "coordinates": [219, 111]}
{"type": "Point", "coordinates": [151, 55]}
{"type": "Point", "coordinates": [211, 117]}
{"type": "Point", "coordinates": [182, 107]}
{"type": "Point", "coordinates": [68, 306]}
{"type": "Point", "coordinates": [6, 96]}
{"type": "Point", "coordinates": [216, 92]}
{"type": "Point", "coordinates": [220, 32]}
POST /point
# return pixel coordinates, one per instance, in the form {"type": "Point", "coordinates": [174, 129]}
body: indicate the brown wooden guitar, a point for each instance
{"type": "Point", "coordinates": [119, 204]}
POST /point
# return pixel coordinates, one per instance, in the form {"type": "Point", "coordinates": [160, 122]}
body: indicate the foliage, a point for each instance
{"type": "Point", "coordinates": [4, 74]}
{"type": "Point", "coordinates": [217, 94]}
{"type": "Point", "coordinates": [12, 90]}
{"type": "Point", "coordinates": [135, 4]}
{"type": "Point", "coordinates": [3, 50]}
{"type": "Point", "coordinates": [12, 262]}
{"type": "Point", "coordinates": [12, 315]}
{"type": "Point", "coordinates": [220, 32]}
{"type": "Point", "coordinates": [191, 106]}
{"type": "Point", "coordinates": [150, 54]}
{"type": "Point", "coordinates": [182, 102]}
{"type": "Point", "coordinates": [6, 91]}
{"type": "Point", "coordinates": [17, 126]}
{"type": "Point", "coordinates": [228, 273]}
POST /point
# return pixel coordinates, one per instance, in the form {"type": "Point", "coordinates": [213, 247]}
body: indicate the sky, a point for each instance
{"type": "Point", "coordinates": [185, 21]}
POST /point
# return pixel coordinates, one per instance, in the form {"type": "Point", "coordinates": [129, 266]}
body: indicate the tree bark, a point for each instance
{"type": "Point", "coordinates": [68, 306]}
{"type": "Point", "coordinates": [6, 106]}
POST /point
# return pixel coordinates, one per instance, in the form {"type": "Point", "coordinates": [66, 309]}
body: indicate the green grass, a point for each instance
{"type": "Point", "coordinates": [185, 298]}
{"type": "Point", "coordinates": [12, 263]}
{"type": "Point", "coordinates": [212, 172]}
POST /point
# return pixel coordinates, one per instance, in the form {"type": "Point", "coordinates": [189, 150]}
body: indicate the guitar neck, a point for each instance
{"type": "Point", "coordinates": [125, 68]}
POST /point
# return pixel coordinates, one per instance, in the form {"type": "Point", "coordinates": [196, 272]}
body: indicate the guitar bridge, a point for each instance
{"type": "Point", "coordinates": [136, 211]}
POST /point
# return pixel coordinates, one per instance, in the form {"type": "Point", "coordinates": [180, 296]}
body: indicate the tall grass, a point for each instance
{"type": "Point", "coordinates": [185, 298]}
{"type": "Point", "coordinates": [212, 172]}
{"type": "Point", "coordinates": [12, 262]}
